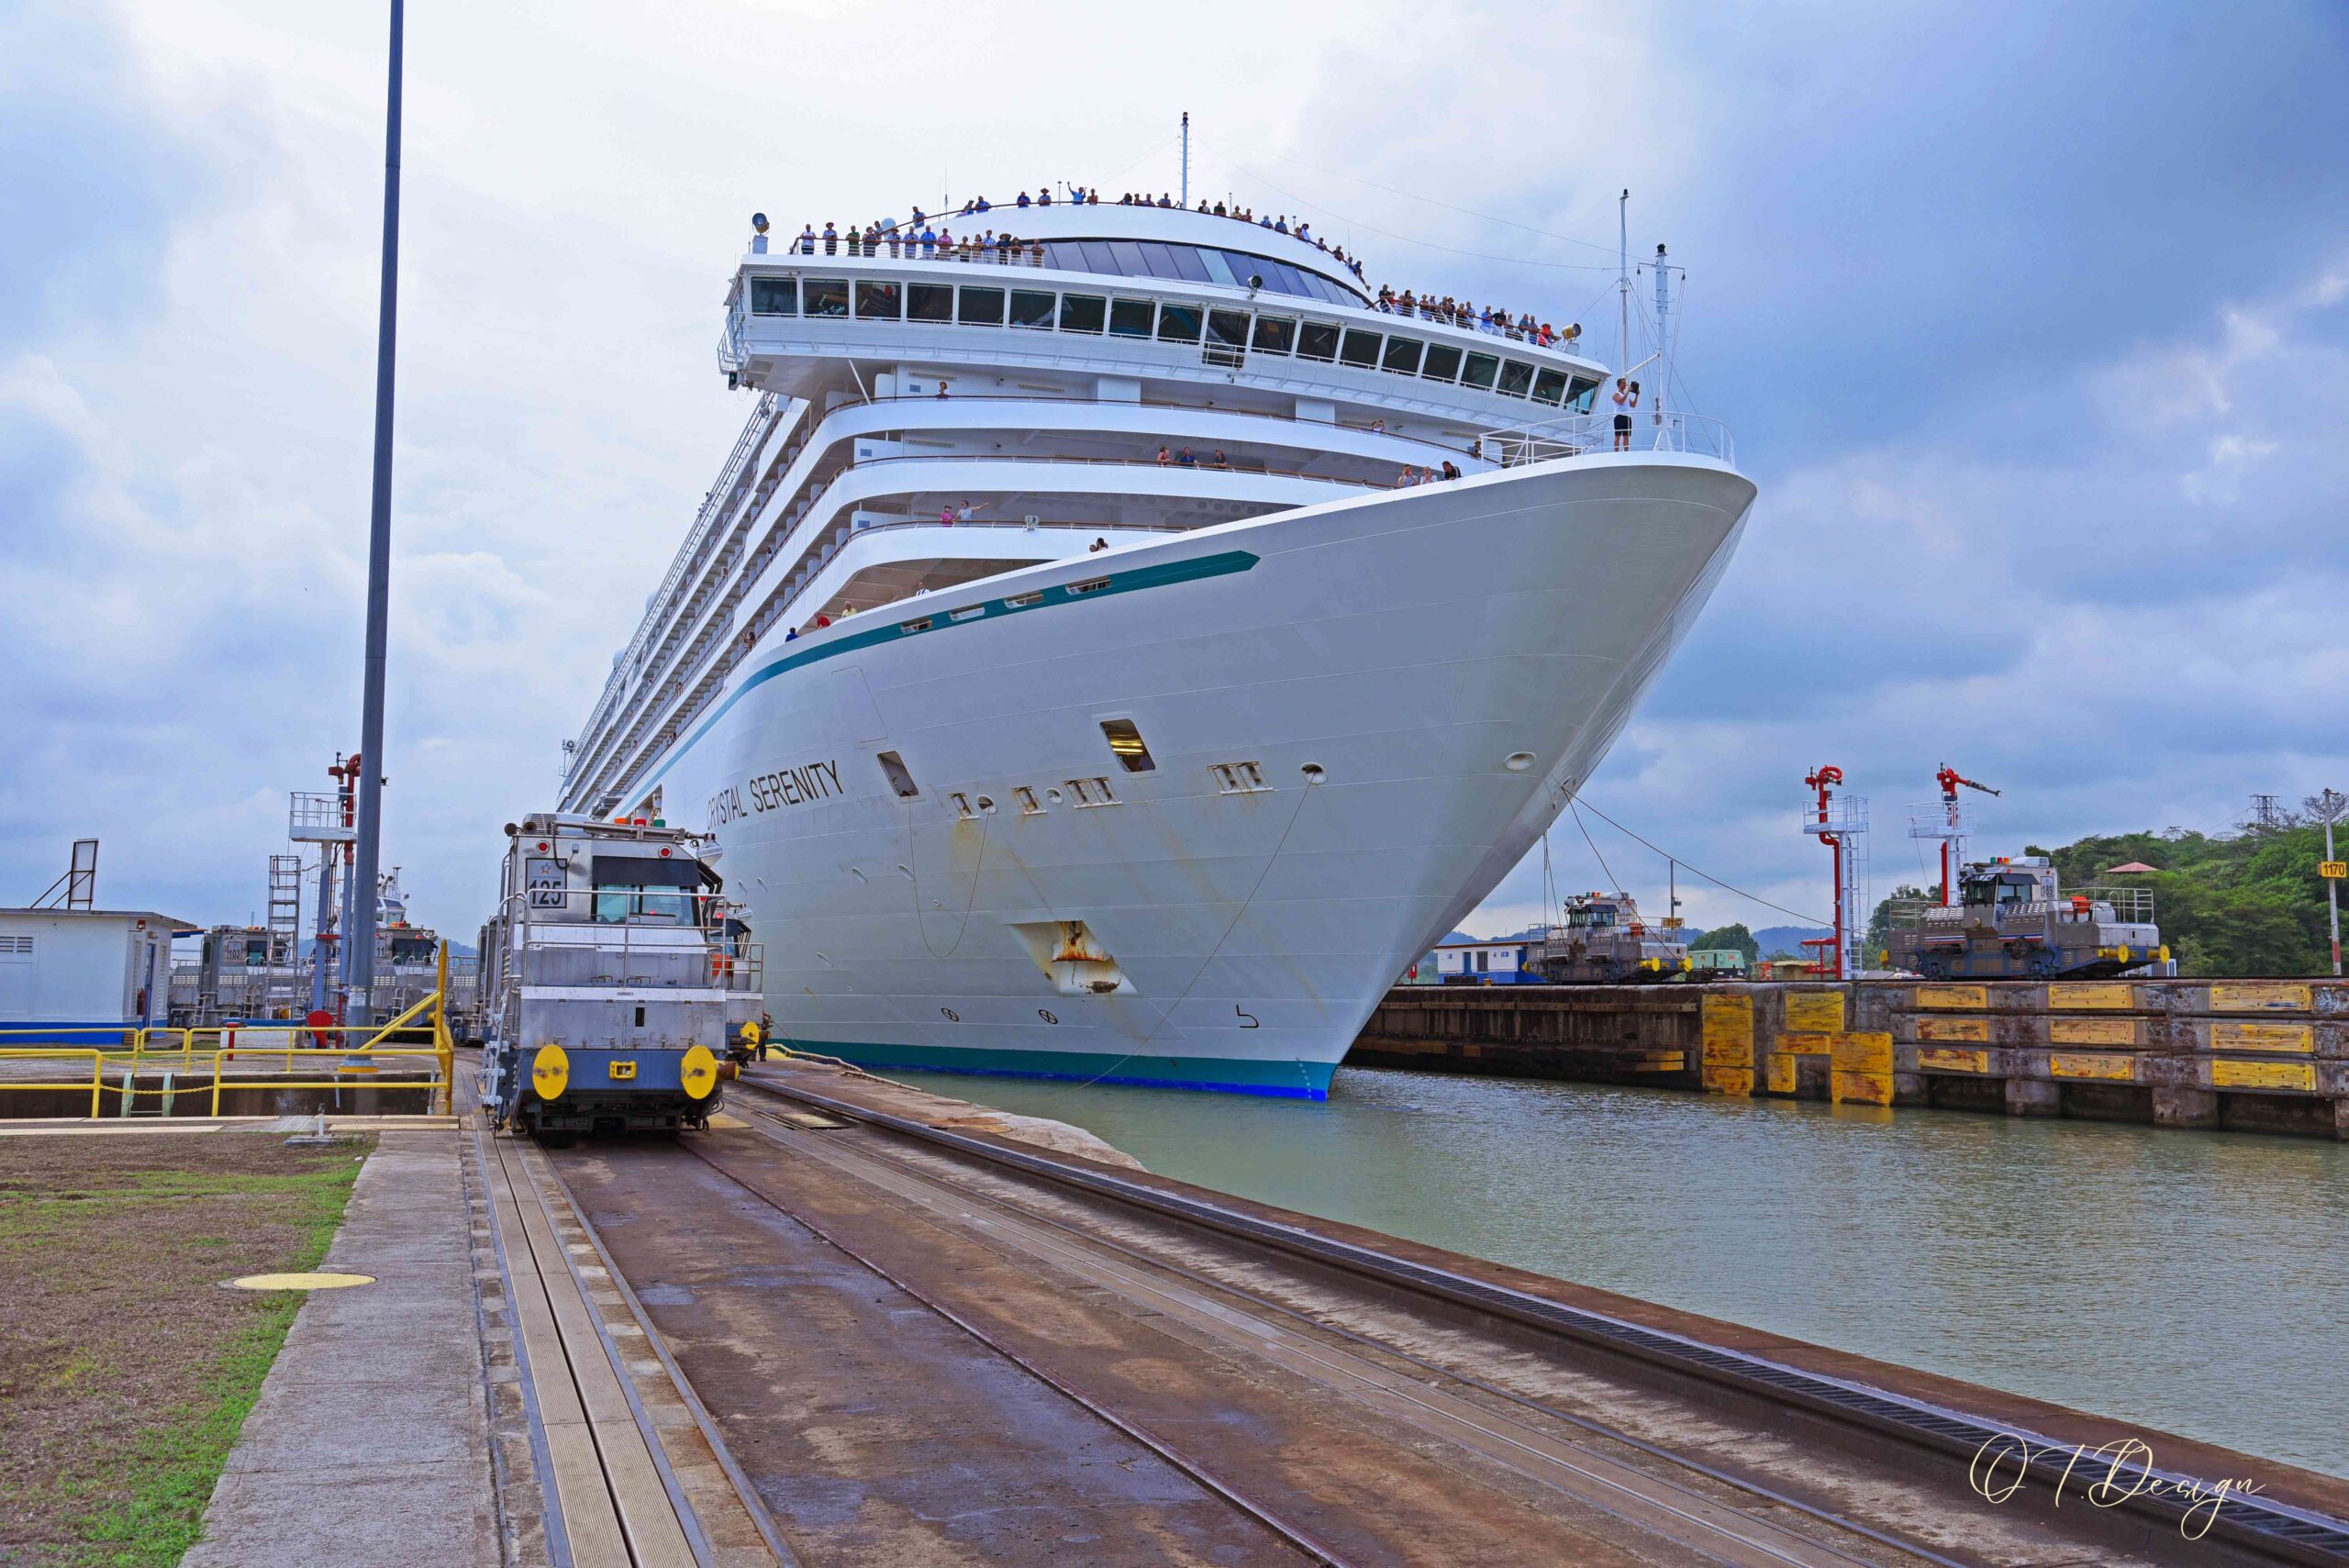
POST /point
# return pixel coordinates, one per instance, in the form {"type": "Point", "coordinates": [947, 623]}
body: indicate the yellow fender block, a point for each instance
{"type": "Point", "coordinates": [551, 1072]}
{"type": "Point", "coordinates": [698, 1073]}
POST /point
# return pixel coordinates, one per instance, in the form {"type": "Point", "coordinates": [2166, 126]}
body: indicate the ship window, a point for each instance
{"type": "Point", "coordinates": [774, 297]}
{"type": "Point", "coordinates": [1219, 270]}
{"type": "Point", "coordinates": [827, 296]}
{"type": "Point", "coordinates": [1480, 371]}
{"type": "Point", "coordinates": [1550, 386]}
{"type": "Point", "coordinates": [879, 301]}
{"type": "Point", "coordinates": [1126, 745]}
{"type": "Point", "coordinates": [1442, 363]}
{"type": "Point", "coordinates": [929, 302]}
{"type": "Point", "coordinates": [1361, 349]}
{"type": "Point", "coordinates": [1130, 319]}
{"type": "Point", "coordinates": [893, 768]}
{"type": "Point", "coordinates": [1125, 257]}
{"type": "Point", "coordinates": [1179, 323]}
{"type": "Point", "coordinates": [1317, 340]}
{"type": "Point", "coordinates": [1517, 378]}
{"type": "Point", "coordinates": [1098, 258]}
{"type": "Point", "coordinates": [1274, 334]}
{"type": "Point", "coordinates": [1229, 328]}
{"type": "Point", "coordinates": [1083, 312]}
{"type": "Point", "coordinates": [1031, 307]}
{"type": "Point", "coordinates": [982, 307]}
{"type": "Point", "coordinates": [1187, 266]}
{"type": "Point", "coordinates": [1402, 356]}
{"type": "Point", "coordinates": [1579, 398]}
{"type": "Point", "coordinates": [1158, 259]}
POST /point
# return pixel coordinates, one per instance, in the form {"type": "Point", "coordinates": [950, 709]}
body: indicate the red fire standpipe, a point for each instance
{"type": "Point", "coordinates": [1821, 780]}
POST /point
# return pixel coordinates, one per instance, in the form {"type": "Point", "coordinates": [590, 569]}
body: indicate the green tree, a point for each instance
{"type": "Point", "coordinates": [1880, 923]}
{"type": "Point", "coordinates": [1735, 936]}
{"type": "Point", "coordinates": [2232, 905]}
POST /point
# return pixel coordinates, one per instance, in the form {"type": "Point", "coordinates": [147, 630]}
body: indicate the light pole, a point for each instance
{"type": "Point", "coordinates": [2328, 805]}
{"type": "Point", "coordinates": [362, 951]}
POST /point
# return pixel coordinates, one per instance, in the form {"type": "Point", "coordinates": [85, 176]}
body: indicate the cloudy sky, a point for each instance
{"type": "Point", "coordinates": [2032, 322]}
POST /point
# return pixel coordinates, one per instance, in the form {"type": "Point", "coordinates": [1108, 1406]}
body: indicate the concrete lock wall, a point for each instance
{"type": "Point", "coordinates": [2257, 1055]}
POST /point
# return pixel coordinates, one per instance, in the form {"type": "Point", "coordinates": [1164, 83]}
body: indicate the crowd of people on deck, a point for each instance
{"type": "Point", "coordinates": [919, 239]}
{"type": "Point", "coordinates": [1522, 326]}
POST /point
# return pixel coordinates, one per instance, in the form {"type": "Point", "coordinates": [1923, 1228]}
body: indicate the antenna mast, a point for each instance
{"type": "Point", "coordinates": [1187, 158]}
{"type": "Point", "coordinates": [1663, 337]}
{"type": "Point", "coordinates": [1623, 281]}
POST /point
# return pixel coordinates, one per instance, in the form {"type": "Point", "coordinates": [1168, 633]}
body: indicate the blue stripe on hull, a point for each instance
{"type": "Point", "coordinates": [1292, 1079]}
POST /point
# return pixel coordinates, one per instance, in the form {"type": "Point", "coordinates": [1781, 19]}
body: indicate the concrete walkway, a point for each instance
{"type": "Point", "coordinates": [369, 1444]}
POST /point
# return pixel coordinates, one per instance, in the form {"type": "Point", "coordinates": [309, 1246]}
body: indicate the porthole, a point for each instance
{"type": "Point", "coordinates": [986, 805]}
{"type": "Point", "coordinates": [1314, 773]}
{"type": "Point", "coordinates": [893, 768]}
{"type": "Point", "coordinates": [1518, 761]}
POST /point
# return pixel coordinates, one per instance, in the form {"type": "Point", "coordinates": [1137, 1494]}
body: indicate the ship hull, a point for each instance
{"type": "Point", "coordinates": [1417, 679]}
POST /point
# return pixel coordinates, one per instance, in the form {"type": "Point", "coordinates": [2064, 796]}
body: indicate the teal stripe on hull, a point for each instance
{"type": "Point", "coordinates": [1233, 1075]}
{"type": "Point", "coordinates": [1105, 584]}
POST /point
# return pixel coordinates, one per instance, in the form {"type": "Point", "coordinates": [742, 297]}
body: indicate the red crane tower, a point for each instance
{"type": "Point", "coordinates": [1840, 824]}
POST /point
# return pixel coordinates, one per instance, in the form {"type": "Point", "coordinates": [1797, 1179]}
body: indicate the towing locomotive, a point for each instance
{"type": "Point", "coordinates": [2014, 921]}
{"type": "Point", "coordinates": [614, 978]}
{"type": "Point", "coordinates": [1605, 942]}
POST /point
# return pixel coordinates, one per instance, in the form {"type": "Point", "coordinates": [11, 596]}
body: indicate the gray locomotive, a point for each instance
{"type": "Point", "coordinates": [1605, 942]}
{"type": "Point", "coordinates": [2012, 921]}
{"type": "Point", "coordinates": [614, 978]}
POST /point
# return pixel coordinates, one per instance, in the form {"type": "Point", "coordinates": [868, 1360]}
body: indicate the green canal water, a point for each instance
{"type": "Point", "coordinates": [2192, 1282]}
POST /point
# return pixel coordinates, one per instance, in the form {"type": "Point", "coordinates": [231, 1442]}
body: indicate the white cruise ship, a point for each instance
{"type": "Point", "coordinates": [1072, 684]}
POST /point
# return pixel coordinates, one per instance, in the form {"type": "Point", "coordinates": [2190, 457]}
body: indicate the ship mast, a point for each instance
{"type": "Point", "coordinates": [1186, 183]}
{"type": "Point", "coordinates": [1623, 282]}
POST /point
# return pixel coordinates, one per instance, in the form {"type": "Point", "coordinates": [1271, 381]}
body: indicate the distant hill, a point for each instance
{"type": "Point", "coordinates": [1788, 938]}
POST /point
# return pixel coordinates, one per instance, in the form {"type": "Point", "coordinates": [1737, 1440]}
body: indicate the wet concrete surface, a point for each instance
{"type": "Point", "coordinates": [874, 1431]}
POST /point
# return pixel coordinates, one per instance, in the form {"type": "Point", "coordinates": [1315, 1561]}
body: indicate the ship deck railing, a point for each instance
{"type": "Point", "coordinates": [1652, 431]}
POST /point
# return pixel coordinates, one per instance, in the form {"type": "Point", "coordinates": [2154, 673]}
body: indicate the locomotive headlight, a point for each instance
{"type": "Point", "coordinates": [697, 1073]}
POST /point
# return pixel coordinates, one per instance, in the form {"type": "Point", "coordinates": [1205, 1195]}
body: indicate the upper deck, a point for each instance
{"type": "Point", "coordinates": [1132, 291]}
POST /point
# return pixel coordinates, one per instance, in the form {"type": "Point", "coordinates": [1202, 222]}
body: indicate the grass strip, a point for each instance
{"type": "Point", "coordinates": [173, 1465]}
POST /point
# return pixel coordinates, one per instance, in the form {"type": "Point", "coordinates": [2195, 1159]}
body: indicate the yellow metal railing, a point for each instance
{"type": "Point", "coordinates": [140, 1046]}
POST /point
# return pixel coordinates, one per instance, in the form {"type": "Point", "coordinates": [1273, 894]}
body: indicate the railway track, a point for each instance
{"type": "Point", "coordinates": [1359, 1409]}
